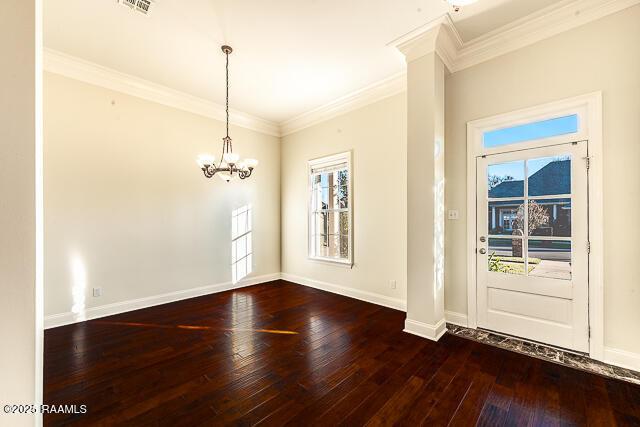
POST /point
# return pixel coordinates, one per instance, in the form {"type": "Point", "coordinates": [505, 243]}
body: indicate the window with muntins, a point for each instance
{"type": "Point", "coordinates": [330, 209]}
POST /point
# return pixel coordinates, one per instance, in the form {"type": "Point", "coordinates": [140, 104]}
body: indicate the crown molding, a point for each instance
{"type": "Point", "coordinates": [441, 36]}
{"type": "Point", "coordinates": [548, 22]}
{"type": "Point", "coordinates": [358, 99]}
{"type": "Point", "coordinates": [92, 73]}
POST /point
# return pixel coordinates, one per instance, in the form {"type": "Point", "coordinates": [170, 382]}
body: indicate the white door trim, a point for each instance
{"type": "Point", "coordinates": [589, 110]}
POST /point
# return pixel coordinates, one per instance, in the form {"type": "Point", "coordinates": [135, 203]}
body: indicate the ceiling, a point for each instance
{"type": "Point", "coordinates": [290, 56]}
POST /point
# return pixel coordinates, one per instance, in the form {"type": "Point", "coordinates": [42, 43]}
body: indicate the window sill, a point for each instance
{"type": "Point", "coordinates": [334, 262]}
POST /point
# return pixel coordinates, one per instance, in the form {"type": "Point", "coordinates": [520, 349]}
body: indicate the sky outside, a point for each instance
{"type": "Point", "coordinates": [527, 132]}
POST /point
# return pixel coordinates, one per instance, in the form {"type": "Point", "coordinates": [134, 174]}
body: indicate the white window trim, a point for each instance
{"type": "Point", "coordinates": [345, 157]}
{"type": "Point", "coordinates": [589, 110]}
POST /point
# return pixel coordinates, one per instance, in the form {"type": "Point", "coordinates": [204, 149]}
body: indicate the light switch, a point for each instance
{"type": "Point", "coordinates": [453, 214]}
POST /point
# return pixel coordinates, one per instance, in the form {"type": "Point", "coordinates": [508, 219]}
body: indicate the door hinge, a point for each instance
{"type": "Point", "coordinates": [588, 247]}
{"type": "Point", "coordinates": [589, 332]}
{"type": "Point", "coordinates": [587, 162]}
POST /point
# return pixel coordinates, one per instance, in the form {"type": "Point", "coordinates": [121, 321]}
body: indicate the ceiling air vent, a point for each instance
{"type": "Point", "coordinates": [142, 6]}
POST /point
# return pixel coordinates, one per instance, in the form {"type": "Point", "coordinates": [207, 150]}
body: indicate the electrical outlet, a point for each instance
{"type": "Point", "coordinates": [97, 292]}
{"type": "Point", "coordinates": [392, 283]}
{"type": "Point", "coordinates": [453, 214]}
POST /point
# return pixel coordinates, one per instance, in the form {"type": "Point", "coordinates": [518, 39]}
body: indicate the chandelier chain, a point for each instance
{"type": "Point", "coordinates": [229, 164]}
{"type": "Point", "coordinates": [225, 145]}
{"type": "Point", "coordinates": [227, 105]}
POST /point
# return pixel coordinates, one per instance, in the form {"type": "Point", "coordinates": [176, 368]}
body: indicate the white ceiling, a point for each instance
{"type": "Point", "coordinates": [290, 56]}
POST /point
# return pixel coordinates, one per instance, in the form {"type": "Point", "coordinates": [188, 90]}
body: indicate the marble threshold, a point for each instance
{"type": "Point", "coordinates": [544, 352]}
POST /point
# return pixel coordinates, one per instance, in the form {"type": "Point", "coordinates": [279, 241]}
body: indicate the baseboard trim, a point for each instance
{"type": "Point", "coordinates": [455, 318]}
{"type": "Point", "coordinates": [61, 319]}
{"type": "Point", "coordinates": [425, 330]}
{"type": "Point", "coordinates": [622, 358]}
{"type": "Point", "coordinates": [613, 356]}
{"type": "Point", "coordinates": [371, 297]}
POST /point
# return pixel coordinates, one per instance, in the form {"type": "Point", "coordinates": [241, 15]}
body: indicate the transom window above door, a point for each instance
{"type": "Point", "coordinates": [531, 131]}
{"type": "Point", "coordinates": [330, 209]}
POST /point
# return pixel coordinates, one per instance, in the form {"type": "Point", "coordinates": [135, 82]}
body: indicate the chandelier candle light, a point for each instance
{"type": "Point", "coordinates": [230, 164]}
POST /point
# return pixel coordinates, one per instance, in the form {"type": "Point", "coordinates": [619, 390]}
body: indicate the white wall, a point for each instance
{"type": "Point", "coordinates": [128, 210]}
{"type": "Point", "coordinates": [603, 55]}
{"type": "Point", "coordinates": [20, 339]}
{"type": "Point", "coordinates": [377, 136]}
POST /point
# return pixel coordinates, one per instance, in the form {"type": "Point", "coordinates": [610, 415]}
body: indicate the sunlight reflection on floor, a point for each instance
{"type": "Point", "coordinates": [194, 327]}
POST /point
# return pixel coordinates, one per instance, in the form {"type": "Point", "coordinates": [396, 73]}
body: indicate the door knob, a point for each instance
{"type": "Point", "coordinates": [483, 251]}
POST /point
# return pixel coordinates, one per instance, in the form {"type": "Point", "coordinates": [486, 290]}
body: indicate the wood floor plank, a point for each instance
{"type": "Point", "coordinates": [283, 354]}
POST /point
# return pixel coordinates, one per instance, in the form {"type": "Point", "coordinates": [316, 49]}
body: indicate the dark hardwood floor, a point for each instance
{"type": "Point", "coordinates": [283, 354]}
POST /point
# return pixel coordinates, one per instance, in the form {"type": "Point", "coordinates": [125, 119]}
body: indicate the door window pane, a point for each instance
{"type": "Point", "coordinates": [531, 131]}
{"type": "Point", "coordinates": [506, 180]}
{"type": "Point", "coordinates": [506, 218]}
{"type": "Point", "coordinates": [505, 256]}
{"type": "Point", "coordinates": [550, 258]}
{"type": "Point", "coordinates": [550, 217]}
{"type": "Point", "coordinates": [549, 176]}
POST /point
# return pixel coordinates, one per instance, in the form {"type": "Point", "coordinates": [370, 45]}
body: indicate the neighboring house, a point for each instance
{"type": "Point", "coordinates": [552, 179]}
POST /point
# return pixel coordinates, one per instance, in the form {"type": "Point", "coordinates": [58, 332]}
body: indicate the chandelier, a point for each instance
{"type": "Point", "coordinates": [230, 164]}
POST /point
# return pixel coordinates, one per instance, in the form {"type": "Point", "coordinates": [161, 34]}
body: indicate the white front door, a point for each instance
{"type": "Point", "coordinates": [532, 240]}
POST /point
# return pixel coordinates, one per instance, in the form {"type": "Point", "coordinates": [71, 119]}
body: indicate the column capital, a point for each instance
{"type": "Point", "coordinates": [439, 36]}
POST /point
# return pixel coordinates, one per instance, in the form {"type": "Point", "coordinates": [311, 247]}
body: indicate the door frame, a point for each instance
{"type": "Point", "coordinates": [589, 110]}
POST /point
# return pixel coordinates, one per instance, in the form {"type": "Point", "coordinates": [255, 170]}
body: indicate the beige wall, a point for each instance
{"type": "Point", "coordinates": [377, 136]}
{"type": "Point", "coordinates": [19, 337]}
{"type": "Point", "coordinates": [142, 221]}
{"type": "Point", "coordinates": [603, 55]}
{"type": "Point", "coordinates": [126, 207]}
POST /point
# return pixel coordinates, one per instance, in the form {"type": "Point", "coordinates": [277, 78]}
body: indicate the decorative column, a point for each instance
{"type": "Point", "coordinates": [21, 208]}
{"type": "Point", "coordinates": [426, 50]}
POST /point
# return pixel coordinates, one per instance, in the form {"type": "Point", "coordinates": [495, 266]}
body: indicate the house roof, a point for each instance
{"type": "Point", "coordinates": [554, 178]}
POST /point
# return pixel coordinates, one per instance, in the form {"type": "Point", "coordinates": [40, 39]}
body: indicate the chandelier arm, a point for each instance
{"type": "Point", "coordinates": [221, 156]}
{"type": "Point", "coordinates": [245, 174]}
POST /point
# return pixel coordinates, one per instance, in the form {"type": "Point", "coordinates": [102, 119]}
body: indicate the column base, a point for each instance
{"type": "Point", "coordinates": [425, 330]}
